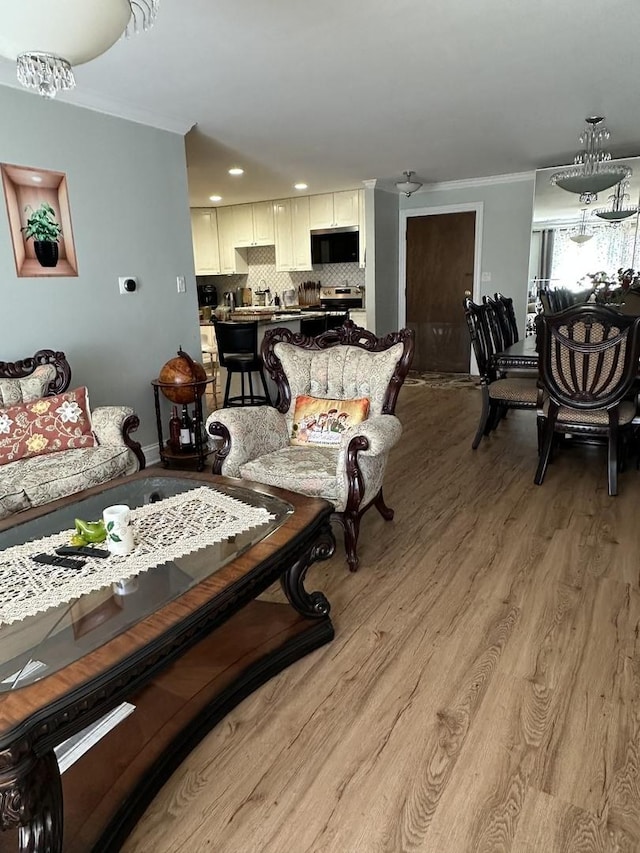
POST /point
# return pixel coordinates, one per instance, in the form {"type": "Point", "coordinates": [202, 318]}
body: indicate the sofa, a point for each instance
{"type": "Point", "coordinates": [45, 456]}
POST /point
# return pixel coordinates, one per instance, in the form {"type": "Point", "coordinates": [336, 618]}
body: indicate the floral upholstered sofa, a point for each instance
{"type": "Point", "coordinates": [51, 443]}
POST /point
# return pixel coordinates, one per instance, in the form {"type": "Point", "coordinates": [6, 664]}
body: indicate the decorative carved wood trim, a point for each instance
{"type": "Point", "coordinates": [131, 424]}
{"type": "Point", "coordinates": [218, 430]}
{"type": "Point", "coordinates": [26, 366]}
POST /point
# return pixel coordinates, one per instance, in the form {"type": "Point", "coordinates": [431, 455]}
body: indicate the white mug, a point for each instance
{"type": "Point", "coordinates": [117, 520]}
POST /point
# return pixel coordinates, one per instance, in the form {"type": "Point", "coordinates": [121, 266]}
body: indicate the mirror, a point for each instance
{"type": "Point", "coordinates": [558, 261]}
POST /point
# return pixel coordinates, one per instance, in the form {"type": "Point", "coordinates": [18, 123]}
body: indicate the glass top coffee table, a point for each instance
{"type": "Point", "coordinates": [183, 642]}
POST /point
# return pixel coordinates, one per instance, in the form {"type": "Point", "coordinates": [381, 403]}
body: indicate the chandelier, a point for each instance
{"type": "Point", "coordinates": [581, 236]}
{"type": "Point", "coordinates": [408, 186]}
{"type": "Point", "coordinates": [47, 39]}
{"type": "Point", "coordinates": [592, 172]}
{"type": "Point", "coordinates": [618, 211]}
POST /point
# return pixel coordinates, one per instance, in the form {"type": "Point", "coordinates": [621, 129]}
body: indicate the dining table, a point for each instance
{"type": "Point", "coordinates": [520, 355]}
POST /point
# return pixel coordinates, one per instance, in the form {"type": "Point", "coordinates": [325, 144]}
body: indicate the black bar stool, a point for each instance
{"type": "Point", "coordinates": [238, 353]}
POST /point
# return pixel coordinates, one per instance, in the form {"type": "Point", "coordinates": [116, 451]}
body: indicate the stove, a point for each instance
{"type": "Point", "coordinates": [340, 298]}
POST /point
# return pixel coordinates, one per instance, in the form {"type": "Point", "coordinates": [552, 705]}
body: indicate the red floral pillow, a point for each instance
{"type": "Point", "coordinates": [46, 425]}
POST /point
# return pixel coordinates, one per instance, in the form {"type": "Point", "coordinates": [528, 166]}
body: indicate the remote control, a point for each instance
{"type": "Point", "coordinates": [81, 551]}
{"type": "Point", "coordinates": [64, 562]}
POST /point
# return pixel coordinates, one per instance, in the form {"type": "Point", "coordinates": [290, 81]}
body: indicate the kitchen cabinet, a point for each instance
{"type": "Point", "coordinates": [232, 259]}
{"type": "Point", "coordinates": [334, 210]}
{"type": "Point", "coordinates": [204, 233]}
{"type": "Point", "coordinates": [253, 224]}
{"type": "Point", "coordinates": [292, 235]}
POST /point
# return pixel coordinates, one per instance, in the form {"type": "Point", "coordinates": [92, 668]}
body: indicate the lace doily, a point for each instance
{"type": "Point", "coordinates": [163, 531]}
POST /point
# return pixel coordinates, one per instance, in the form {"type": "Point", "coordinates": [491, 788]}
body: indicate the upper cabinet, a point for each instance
{"type": "Point", "coordinates": [334, 210]}
{"type": "Point", "coordinates": [293, 240]}
{"type": "Point", "coordinates": [204, 232]}
{"type": "Point", "coordinates": [232, 259]}
{"type": "Point", "coordinates": [253, 224]}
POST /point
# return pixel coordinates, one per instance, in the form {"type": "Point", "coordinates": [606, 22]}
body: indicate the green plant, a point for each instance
{"type": "Point", "coordinates": [41, 224]}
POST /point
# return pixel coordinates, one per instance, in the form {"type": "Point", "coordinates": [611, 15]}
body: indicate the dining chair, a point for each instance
{"type": "Point", "coordinates": [588, 365]}
{"type": "Point", "coordinates": [499, 394]}
{"type": "Point", "coordinates": [507, 311]}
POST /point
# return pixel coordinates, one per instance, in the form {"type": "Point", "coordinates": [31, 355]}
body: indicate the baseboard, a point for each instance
{"type": "Point", "coordinates": [151, 453]}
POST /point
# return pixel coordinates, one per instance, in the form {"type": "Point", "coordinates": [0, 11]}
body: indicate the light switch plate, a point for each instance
{"type": "Point", "coordinates": [181, 284]}
{"type": "Point", "coordinates": [486, 276]}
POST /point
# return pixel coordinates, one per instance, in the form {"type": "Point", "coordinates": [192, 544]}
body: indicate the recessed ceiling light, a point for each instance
{"type": "Point", "coordinates": [236, 171]}
{"type": "Point", "coordinates": [301, 186]}
{"type": "Point", "coordinates": [215, 198]}
{"type": "Point", "coordinates": [36, 179]}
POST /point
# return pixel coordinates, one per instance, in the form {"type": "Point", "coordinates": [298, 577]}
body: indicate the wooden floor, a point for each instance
{"type": "Point", "coordinates": [483, 689]}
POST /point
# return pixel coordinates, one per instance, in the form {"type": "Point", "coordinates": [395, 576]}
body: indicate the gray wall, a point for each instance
{"type": "Point", "coordinates": [506, 236]}
{"type": "Point", "coordinates": [382, 252]}
{"type": "Point", "coordinates": [129, 211]}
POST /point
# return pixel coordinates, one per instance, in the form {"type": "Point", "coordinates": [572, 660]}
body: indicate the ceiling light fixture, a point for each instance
{"type": "Point", "coordinates": [581, 236]}
{"type": "Point", "coordinates": [47, 39]}
{"type": "Point", "coordinates": [592, 172]}
{"type": "Point", "coordinates": [215, 198]}
{"type": "Point", "coordinates": [408, 186]}
{"type": "Point", "coordinates": [301, 186]}
{"type": "Point", "coordinates": [236, 170]}
{"type": "Point", "coordinates": [618, 211]}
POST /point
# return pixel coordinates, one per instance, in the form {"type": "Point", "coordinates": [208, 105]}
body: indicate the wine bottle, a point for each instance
{"type": "Point", "coordinates": [185, 430]}
{"type": "Point", "coordinates": [194, 427]}
{"type": "Point", "coordinates": [174, 429]}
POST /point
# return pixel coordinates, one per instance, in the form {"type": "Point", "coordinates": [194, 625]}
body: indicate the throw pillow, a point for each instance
{"type": "Point", "coordinates": [320, 421]}
{"type": "Point", "coordinates": [46, 425]}
{"type": "Point", "coordinates": [28, 388]}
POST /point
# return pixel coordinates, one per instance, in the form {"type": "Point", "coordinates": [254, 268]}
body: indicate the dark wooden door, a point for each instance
{"type": "Point", "coordinates": [440, 256]}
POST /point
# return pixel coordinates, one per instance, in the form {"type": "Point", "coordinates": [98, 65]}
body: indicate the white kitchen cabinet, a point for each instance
{"type": "Point", "coordinates": [204, 233]}
{"type": "Point", "coordinates": [253, 224]}
{"type": "Point", "coordinates": [362, 236]}
{"type": "Point", "coordinates": [334, 210]}
{"type": "Point", "coordinates": [232, 259]}
{"type": "Point", "coordinates": [301, 233]}
{"type": "Point", "coordinates": [293, 239]}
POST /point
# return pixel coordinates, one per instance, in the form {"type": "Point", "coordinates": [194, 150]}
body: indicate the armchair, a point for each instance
{"type": "Point", "coordinates": [341, 364]}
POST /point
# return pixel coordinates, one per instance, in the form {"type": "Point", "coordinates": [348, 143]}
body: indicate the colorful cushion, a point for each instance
{"type": "Point", "coordinates": [320, 421]}
{"type": "Point", "coordinates": [46, 425]}
{"type": "Point", "coordinates": [29, 388]}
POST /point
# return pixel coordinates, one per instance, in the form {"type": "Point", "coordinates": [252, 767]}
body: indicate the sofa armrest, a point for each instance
{"type": "Point", "coordinates": [246, 433]}
{"type": "Point", "coordinates": [381, 432]}
{"type": "Point", "coordinates": [113, 425]}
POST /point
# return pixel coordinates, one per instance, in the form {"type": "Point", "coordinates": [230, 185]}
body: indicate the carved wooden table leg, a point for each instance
{"type": "Point", "coordinates": [312, 604]}
{"type": "Point", "coordinates": [31, 798]}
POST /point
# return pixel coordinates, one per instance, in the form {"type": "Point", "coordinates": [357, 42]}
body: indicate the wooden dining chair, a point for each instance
{"type": "Point", "coordinates": [498, 394]}
{"type": "Point", "coordinates": [588, 365]}
{"type": "Point", "coordinates": [504, 306]}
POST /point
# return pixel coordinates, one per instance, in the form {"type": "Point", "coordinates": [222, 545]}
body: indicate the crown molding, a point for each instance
{"type": "Point", "coordinates": [465, 183]}
{"type": "Point", "coordinates": [89, 100]}
{"type": "Point", "coordinates": [370, 183]}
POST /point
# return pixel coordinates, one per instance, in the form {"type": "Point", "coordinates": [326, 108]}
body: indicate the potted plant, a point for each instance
{"type": "Point", "coordinates": [45, 231]}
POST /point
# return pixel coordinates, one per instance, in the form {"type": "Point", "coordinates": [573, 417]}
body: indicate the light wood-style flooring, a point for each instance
{"type": "Point", "coordinates": [482, 694]}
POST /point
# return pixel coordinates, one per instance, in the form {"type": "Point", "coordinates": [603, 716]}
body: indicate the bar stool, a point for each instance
{"type": "Point", "coordinates": [238, 353]}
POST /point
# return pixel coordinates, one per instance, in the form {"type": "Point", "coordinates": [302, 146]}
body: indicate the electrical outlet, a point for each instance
{"type": "Point", "coordinates": [181, 283]}
{"type": "Point", "coordinates": [486, 276]}
{"type": "Point", "coordinates": [127, 284]}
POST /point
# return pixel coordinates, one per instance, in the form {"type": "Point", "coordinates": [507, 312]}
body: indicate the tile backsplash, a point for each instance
{"type": "Point", "coordinates": [263, 274]}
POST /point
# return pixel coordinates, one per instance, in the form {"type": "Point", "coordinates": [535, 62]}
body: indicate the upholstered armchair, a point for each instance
{"type": "Point", "coordinates": [346, 364]}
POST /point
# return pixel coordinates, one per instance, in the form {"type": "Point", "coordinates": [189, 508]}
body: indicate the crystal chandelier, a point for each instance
{"type": "Point", "coordinates": [47, 39]}
{"type": "Point", "coordinates": [618, 211]}
{"type": "Point", "coordinates": [408, 186]}
{"type": "Point", "coordinates": [592, 171]}
{"type": "Point", "coordinates": [581, 236]}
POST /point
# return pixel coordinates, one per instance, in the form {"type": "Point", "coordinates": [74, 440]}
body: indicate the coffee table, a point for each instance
{"type": "Point", "coordinates": [184, 642]}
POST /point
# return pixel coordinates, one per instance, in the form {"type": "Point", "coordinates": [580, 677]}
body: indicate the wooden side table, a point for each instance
{"type": "Point", "coordinates": [175, 456]}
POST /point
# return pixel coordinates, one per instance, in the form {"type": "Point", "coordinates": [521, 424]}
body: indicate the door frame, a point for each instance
{"type": "Point", "coordinates": [476, 207]}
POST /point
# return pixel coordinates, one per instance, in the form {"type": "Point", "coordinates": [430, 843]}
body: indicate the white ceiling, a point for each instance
{"type": "Point", "coordinates": [334, 92]}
